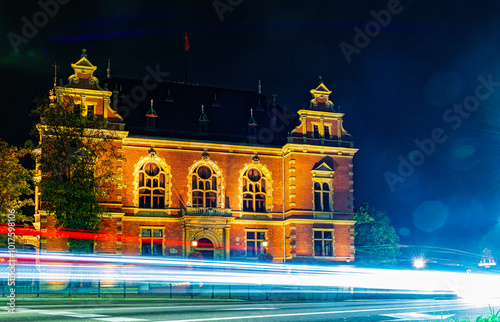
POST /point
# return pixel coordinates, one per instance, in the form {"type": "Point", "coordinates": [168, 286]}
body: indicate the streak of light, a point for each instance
{"type": "Point", "coordinates": [70, 267]}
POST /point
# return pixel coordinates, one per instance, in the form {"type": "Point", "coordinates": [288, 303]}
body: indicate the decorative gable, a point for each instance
{"type": "Point", "coordinates": [323, 171]}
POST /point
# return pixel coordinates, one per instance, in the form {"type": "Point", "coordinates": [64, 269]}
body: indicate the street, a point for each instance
{"type": "Point", "coordinates": [213, 310]}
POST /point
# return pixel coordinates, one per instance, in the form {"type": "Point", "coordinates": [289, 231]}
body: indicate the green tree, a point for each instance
{"type": "Point", "coordinates": [15, 185]}
{"type": "Point", "coordinates": [375, 240]}
{"type": "Point", "coordinates": [75, 161]}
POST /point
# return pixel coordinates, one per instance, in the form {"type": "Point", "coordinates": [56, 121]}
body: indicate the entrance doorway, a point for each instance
{"type": "Point", "coordinates": [206, 248]}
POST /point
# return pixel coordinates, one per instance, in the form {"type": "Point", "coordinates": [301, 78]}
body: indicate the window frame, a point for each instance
{"type": "Point", "coordinates": [206, 194]}
{"type": "Point", "coordinates": [324, 254]}
{"type": "Point", "coordinates": [151, 239]}
{"type": "Point", "coordinates": [249, 189]}
{"type": "Point", "coordinates": [152, 188]}
{"type": "Point", "coordinates": [257, 249]}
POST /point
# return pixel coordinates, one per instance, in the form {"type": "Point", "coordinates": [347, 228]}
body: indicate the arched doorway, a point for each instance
{"type": "Point", "coordinates": [206, 248]}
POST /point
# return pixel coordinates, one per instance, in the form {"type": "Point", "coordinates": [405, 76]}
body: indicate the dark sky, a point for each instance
{"type": "Point", "coordinates": [429, 74]}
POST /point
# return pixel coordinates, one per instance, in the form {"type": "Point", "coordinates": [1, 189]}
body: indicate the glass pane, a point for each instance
{"type": "Point", "coordinates": [146, 249]}
{"type": "Point", "coordinates": [195, 186]}
{"type": "Point", "coordinates": [211, 200]}
{"type": "Point", "coordinates": [141, 179]}
{"type": "Point", "coordinates": [263, 185]}
{"type": "Point", "coordinates": [214, 183]}
{"type": "Point", "coordinates": [207, 185]}
{"type": "Point", "coordinates": [152, 169]}
{"type": "Point", "coordinates": [328, 248]}
{"type": "Point", "coordinates": [327, 234]}
{"type": "Point", "coordinates": [326, 201]}
{"type": "Point", "coordinates": [326, 187]}
{"type": "Point", "coordinates": [318, 248]}
{"type": "Point", "coordinates": [317, 201]}
{"type": "Point", "coordinates": [204, 172]}
{"type": "Point", "coordinates": [317, 186]}
{"type": "Point", "coordinates": [162, 180]}
{"type": "Point", "coordinates": [261, 235]}
{"type": "Point", "coordinates": [157, 250]}
{"type": "Point", "coordinates": [146, 233]}
{"type": "Point", "coordinates": [250, 234]}
{"type": "Point", "coordinates": [253, 175]}
{"type": "Point", "coordinates": [251, 249]}
{"type": "Point", "coordinates": [157, 233]}
{"type": "Point", "coordinates": [318, 234]}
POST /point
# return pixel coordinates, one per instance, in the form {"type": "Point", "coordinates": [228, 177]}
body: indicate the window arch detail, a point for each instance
{"type": "Point", "coordinates": [152, 183]}
{"type": "Point", "coordinates": [255, 188]}
{"type": "Point", "coordinates": [205, 185]}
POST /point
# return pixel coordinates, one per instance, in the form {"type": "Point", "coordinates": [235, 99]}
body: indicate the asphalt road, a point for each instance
{"type": "Point", "coordinates": [169, 310]}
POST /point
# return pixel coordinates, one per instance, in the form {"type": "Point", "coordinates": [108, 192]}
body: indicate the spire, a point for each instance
{"type": "Point", "coordinates": [55, 73]}
{"type": "Point", "coordinates": [252, 121]}
{"type": "Point", "coordinates": [252, 126]}
{"type": "Point", "coordinates": [203, 116]}
{"type": "Point", "coordinates": [84, 53]}
{"type": "Point", "coordinates": [215, 103]}
{"type": "Point", "coordinates": [169, 98]}
{"type": "Point", "coordinates": [151, 112]}
{"type": "Point", "coordinates": [108, 71]}
{"type": "Point", "coordinates": [260, 88]}
{"type": "Point", "coordinates": [151, 118]}
{"type": "Point", "coordinates": [203, 121]}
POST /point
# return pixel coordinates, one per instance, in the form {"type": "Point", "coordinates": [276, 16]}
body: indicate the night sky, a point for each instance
{"type": "Point", "coordinates": [425, 78]}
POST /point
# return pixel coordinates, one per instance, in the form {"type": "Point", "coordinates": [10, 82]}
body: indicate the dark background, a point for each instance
{"type": "Point", "coordinates": [395, 91]}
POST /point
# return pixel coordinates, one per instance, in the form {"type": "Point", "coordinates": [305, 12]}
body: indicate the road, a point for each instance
{"type": "Point", "coordinates": [182, 310]}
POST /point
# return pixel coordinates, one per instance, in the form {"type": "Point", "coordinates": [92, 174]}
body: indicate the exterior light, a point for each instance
{"type": "Point", "coordinates": [264, 243]}
{"type": "Point", "coordinates": [419, 263]}
{"type": "Point", "coordinates": [194, 243]}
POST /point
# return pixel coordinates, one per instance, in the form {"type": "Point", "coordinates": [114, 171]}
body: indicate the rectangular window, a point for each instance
{"type": "Point", "coordinates": [323, 243]}
{"type": "Point", "coordinates": [327, 133]}
{"type": "Point", "coordinates": [90, 111]}
{"type": "Point", "coordinates": [152, 241]}
{"type": "Point", "coordinates": [316, 131]}
{"type": "Point", "coordinates": [255, 242]}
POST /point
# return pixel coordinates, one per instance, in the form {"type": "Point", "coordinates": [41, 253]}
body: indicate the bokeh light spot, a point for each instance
{"type": "Point", "coordinates": [430, 215]}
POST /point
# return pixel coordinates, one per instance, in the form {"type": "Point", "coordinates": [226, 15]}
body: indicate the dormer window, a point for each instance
{"type": "Point", "coordinates": [252, 125]}
{"type": "Point", "coordinates": [203, 121]}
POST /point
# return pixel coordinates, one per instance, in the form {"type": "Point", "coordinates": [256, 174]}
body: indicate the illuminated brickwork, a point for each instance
{"type": "Point", "coordinates": [236, 199]}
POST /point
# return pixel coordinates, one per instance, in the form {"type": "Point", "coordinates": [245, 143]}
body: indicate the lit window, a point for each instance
{"type": "Point", "coordinates": [323, 243]}
{"type": "Point", "coordinates": [151, 241]}
{"type": "Point", "coordinates": [321, 196]}
{"type": "Point", "coordinates": [151, 186]}
{"type": "Point", "coordinates": [255, 243]}
{"type": "Point", "coordinates": [254, 191]}
{"type": "Point", "coordinates": [204, 187]}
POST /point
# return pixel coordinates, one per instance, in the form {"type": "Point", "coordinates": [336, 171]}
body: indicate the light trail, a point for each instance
{"type": "Point", "coordinates": [70, 267]}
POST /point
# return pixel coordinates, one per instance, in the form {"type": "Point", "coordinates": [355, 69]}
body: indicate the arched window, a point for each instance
{"type": "Point", "coordinates": [151, 186]}
{"type": "Point", "coordinates": [254, 191]}
{"type": "Point", "coordinates": [321, 196]}
{"type": "Point", "coordinates": [204, 187]}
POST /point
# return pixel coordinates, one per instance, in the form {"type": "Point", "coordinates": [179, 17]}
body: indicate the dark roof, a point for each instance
{"type": "Point", "coordinates": [227, 110]}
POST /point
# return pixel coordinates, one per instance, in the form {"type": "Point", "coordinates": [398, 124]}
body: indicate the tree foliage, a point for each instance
{"type": "Point", "coordinates": [15, 186]}
{"type": "Point", "coordinates": [75, 160]}
{"type": "Point", "coordinates": [375, 240]}
{"type": "Point", "coordinates": [15, 181]}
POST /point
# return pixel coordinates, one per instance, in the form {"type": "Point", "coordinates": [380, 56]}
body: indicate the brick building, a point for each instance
{"type": "Point", "coordinates": [225, 172]}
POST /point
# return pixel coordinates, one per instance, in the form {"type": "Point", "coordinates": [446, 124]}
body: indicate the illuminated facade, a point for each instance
{"type": "Point", "coordinates": [225, 172]}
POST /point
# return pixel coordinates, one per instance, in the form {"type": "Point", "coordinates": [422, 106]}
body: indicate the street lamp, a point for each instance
{"type": "Point", "coordinates": [419, 263]}
{"type": "Point", "coordinates": [194, 243]}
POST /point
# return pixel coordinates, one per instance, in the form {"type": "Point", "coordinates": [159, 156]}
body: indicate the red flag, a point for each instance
{"type": "Point", "coordinates": [186, 42]}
